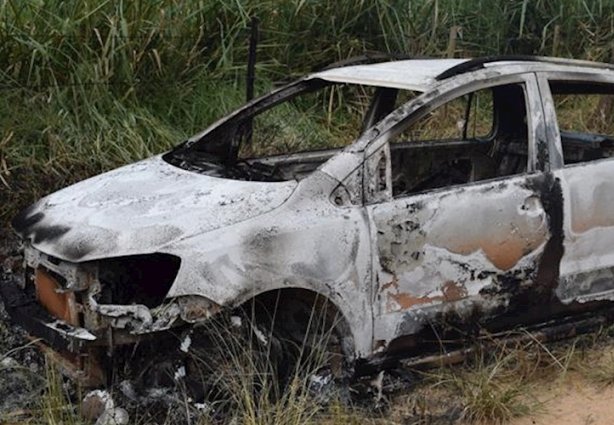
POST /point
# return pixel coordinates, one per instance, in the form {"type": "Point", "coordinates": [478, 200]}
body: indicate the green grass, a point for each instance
{"type": "Point", "coordinates": [86, 86]}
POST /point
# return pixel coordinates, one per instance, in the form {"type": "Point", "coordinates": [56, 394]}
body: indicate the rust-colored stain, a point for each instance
{"type": "Point", "coordinates": [394, 283]}
{"type": "Point", "coordinates": [407, 301]}
{"type": "Point", "coordinates": [502, 253]}
{"type": "Point", "coordinates": [451, 290]}
{"type": "Point", "coordinates": [60, 305]}
{"type": "Point", "coordinates": [505, 228]}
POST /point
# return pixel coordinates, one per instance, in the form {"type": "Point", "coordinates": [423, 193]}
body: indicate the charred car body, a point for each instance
{"type": "Point", "coordinates": [462, 195]}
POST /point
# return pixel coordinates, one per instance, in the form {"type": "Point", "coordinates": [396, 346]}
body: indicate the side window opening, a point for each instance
{"type": "Point", "coordinates": [466, 117]}
{"type": "Point", "coordinates": [584, 114]}
{"type": "Point", "coordinates": [480, 136]}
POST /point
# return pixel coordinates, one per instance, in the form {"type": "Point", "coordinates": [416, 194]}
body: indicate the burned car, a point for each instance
{"type": "Point", "coordinates": [423, 199]}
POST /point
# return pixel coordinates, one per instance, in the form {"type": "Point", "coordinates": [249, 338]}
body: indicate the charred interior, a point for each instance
{"type": "Point", "coordinates": [497, 149]}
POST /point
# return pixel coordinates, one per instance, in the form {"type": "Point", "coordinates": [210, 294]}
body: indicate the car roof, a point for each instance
{"type": "Point", "coordinates": [413, 74]}
{"type": "Point", "coordinates": [423, 74]}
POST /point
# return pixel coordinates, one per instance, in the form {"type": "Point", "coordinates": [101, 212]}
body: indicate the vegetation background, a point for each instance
{"type": "Point", "coordinates": [88, 85]}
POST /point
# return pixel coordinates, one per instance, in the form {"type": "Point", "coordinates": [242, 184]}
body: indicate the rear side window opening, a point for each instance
{"type": "Point", "coordinates": [585, 116]}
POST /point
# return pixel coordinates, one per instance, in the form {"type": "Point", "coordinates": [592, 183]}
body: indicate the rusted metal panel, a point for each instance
{"type": "Point", "coordinates": [49, 294]}
{"type": "Point", "coordinates": [31, 314]}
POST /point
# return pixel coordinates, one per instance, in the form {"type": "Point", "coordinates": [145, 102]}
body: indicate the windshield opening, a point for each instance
{"type": "Point", "coordinates": [285, 135]}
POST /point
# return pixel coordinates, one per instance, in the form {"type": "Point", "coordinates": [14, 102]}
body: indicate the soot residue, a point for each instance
{"type": "Point", "coordinates": [26, 219]}
{"type": "Point", "coordinates": [551, 195]}
{"type": "Point", "coordinates": [49, 233]}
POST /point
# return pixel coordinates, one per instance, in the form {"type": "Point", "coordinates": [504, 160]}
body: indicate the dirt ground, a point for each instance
{"type": "Point", "coordinates": [573, 401]}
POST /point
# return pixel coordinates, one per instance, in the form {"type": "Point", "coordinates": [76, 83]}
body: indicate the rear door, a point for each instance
{"type": "Point", "coordinates": [584, 129]}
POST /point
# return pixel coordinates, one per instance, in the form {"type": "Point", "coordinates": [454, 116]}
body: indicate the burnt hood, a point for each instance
{"type": "Point", "coordinates": [140, 208]}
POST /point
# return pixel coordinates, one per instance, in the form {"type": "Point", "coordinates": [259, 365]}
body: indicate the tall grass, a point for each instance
{"type": "Point", "coordinates": [88, 85]}
{"type": "Point", "coordinates": [55, 404]}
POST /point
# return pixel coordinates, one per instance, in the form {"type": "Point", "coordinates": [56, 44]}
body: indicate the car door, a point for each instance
{"type": "Point", "coordinates": [461, 226]}
{"type": "Point", "coordinates": [584, 129]}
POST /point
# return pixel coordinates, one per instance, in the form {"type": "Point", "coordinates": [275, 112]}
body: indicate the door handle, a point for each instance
{"type": "Point", "coordinates": [532, 205]}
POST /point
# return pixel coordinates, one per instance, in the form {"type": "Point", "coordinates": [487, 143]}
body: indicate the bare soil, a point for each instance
{"type": "Point", "coordinates": [573, 401]}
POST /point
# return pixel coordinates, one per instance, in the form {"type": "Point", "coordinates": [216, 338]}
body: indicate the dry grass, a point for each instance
{"type": "Point", "coordinates": [56, 405]}
{"type": "Point", "coordinates": [497, 384]}
{"type": "Point", "coordinates": [490, 390]}
{"type": "Point", "coordinates": [258, 381]}
{"type": "Point", "coordinates": [494, 386]}
{"type": "Point", "coordinates": [601, 372]}
{"type": "Point", "coordinates": [596, 362]}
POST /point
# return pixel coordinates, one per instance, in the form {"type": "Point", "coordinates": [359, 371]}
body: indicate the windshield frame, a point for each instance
{"type": "Point", "coordinates": [220, 136]}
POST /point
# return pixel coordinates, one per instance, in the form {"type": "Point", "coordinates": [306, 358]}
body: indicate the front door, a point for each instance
{"type": "Point", "coordinates": [467, 222]}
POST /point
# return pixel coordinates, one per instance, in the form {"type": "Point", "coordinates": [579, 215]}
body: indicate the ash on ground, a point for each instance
{"type": "Point", "coordinates": [22, 366]}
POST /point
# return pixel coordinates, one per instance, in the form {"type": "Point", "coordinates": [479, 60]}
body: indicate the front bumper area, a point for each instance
{"type": "Point", "coordinates": [74, 349]}
{"type": "Point", "coordinates": [68, 310]}
{"type": "Point", "coordinates": [28, 313]}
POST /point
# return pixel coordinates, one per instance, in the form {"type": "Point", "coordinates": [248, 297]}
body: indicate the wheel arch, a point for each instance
{"type": "Point", "coordinates": [271, 299]}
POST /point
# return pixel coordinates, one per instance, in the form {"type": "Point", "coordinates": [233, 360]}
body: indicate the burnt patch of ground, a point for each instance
{"type": "Point", "coordinates": [22, 366]}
